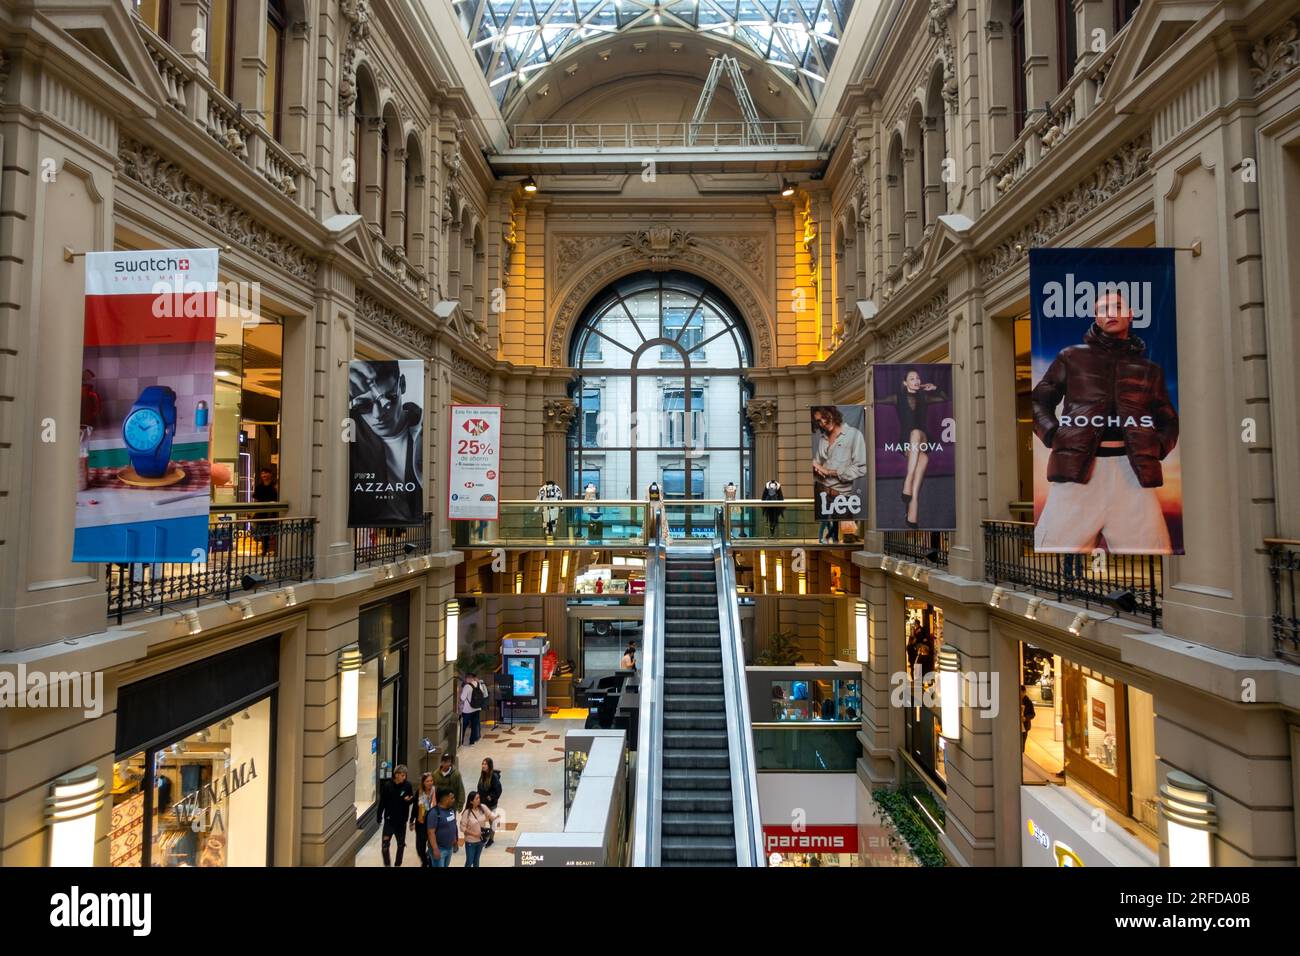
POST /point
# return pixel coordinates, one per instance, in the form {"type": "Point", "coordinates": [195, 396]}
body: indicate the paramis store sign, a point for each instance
{"type": "Point", "coordinates": [811, 839]}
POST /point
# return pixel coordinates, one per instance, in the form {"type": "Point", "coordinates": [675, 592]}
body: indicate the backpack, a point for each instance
{"type": "Point", "coordinates": [476, 696]}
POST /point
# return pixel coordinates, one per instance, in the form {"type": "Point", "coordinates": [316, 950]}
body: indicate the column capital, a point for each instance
{"type": "Point", "coordinates": [761, 413]}
{"type": "Point", "coordinates": [559, 414]}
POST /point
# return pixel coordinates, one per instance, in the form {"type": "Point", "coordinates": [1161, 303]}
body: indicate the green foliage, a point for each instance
{"type": "Point", "coordinates": [476, 657]}
{"type": "Point", "coordinates": [782, 650]}
{"type": "Point", "coordinates": [895, 808]}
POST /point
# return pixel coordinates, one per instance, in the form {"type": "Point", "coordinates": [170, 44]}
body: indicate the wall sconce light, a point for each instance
{"type": "Point", "coordinates": [995, 599]}
{"type": "Point", "coordinates": [192, 620]}
{"type": "Point", "coordinates": [546, 573]}
{"type": "Point", "coordinates": [70, 811]}
{"type": "Point", "coordinates": [762, 568]}
{"type": "Point", "coordinates": [1031, 609]}
{"type": "Point", "coordinates": [1190, 818]}
{"type": "Point", "coordinates": [863, 632]}
{"type": "Point", "coordinates": [564, 569]}
{"type": "Point", "coordinates": [950, 693]}
{"type": "Point", "coordinates": [803, 583]}
{"type": "Point", "coordinates": [290, 596]}
{"type": "Point", "coordinates": [780, 576]}
{"type": "Point", "coordinates": [349, 690]}
{"type": "Point", "coordinates": [1079, 624]}
{"type": "Point", "coordinates": [519, 582]}
{"type": "Point", "coordinates": [452, 650]}
{"type": "Point", "coordinates": [246, 608]}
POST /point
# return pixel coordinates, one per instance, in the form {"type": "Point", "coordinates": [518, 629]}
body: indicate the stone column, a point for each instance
{"type": "Point", "coordinates": [558, 418]}
{"type": "Point", "coordinates": [761, 413]}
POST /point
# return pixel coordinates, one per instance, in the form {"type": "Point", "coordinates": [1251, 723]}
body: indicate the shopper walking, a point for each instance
{"type": "Point", "coordinates": [425, 800]}
{"type": "Point", "coordinates": [1027, 714]}
{"type": "Point", "coordinates": [473, 698]}
{"type": "Point", "coordinates": [449, 777]}
{"type": "Point", "coordinates": [476, 825]}
{"type": "Point", "coordinates": [396, 810]}
{"type": "Point", "coordinates": [628, 661]}
{"type": "Point", "coordinates": [444, 832]}
{"type": "Point", "coordinates": [489, 785]}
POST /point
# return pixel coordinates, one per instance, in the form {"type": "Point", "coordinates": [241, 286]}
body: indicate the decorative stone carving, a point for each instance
{"type": "Point", "coordinates": [572, 251]}
{"type": "Point", "coordinates": [748, 249]}
{"type": "Point", "coordinates": [559, 413]}
{"type": "Point", "coordinates": [852, 369]}
{"type": "Point", "coordinates": [660, 243]}
{"type": "Point", "coordinates": [144, 165]}
{"type": "Point", "coordinates": [356, 14]}
{"type": "Point", "coordinates": [1130, 163]}
{"type": "Point", "coordinates": [377, 314]}
{"type": "Point", "coordinates": [464, 368]}
{"type": "Point", "coordinates": [1276, 55]}
{"type": "Point", "coordinates": [915, 325]}
{"type": "Point", "coordinates": [940, 11]}
{"type": "Point", "coordinates": [761, 413]}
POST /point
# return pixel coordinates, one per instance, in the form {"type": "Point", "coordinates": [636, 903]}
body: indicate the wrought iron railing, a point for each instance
{"type": "Point", "coordinates": [728, 134]}
{"type": "Point", "coordinates": [266, 551]}
{"type": "Point", "coordinates": [1010, 558]}
{"type": "Point", "coordinates": [928, 546]}
{"type": "Point", "coordinates": [1283, 566]}
{"type": "Point", "coordinates": [371, 546]}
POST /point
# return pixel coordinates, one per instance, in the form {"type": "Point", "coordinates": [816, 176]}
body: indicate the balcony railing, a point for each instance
{"type": "Point", "coordinates": [928, 546]}
{"type": "Point", "coordinates": [371, 546]}
{"type": "Point", "coordinates": [1283, 565]}
{"type": "Point", "coordinates": [821, 746]}
{"type": "Point", "coordinates": [601, 136]}
{"type": "Point", "coordinates": [792, 522]}
{"type": "Point", "coordinates": [1010, 558]}
{"type": "Point", "coordinates": [274, 550]}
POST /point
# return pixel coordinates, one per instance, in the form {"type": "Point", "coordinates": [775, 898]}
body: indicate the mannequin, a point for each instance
{"type": "Point", "coordinates": [550, 491]}
{"type": "Point", "coordinates": [772, 492]}
{"type": "Point", "coordinates": [729, 492]}
{"type": "Point", "coordinates": [593, 513]}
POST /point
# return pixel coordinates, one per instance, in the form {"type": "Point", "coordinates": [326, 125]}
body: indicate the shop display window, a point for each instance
{"type": "Point", "coordinates": [247, 399]}
{"type": "Point", "coordinates": [202, 799]}
{"type": "Point", "coordinates": [922, 728]}
{"type": "Point", "coordinates": [816, 700]}
{"type": "Point", "coordinates": [383, 636]}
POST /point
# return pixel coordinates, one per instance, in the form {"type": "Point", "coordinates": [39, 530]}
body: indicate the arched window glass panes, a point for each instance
{"type": "Point", "coordinates": [661, 392]}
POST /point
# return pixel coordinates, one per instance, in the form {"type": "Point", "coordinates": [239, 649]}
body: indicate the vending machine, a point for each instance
{"type": "Point", "coordinates": [521, 662]}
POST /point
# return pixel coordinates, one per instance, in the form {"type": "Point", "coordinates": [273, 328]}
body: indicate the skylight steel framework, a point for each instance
{"type": "Point", "coordinates": [514, 38]}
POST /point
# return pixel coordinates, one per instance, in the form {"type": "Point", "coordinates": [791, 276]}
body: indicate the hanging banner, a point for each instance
{"type": "Point", "coordinates": [474, 463]}
{"type": "Point", "coordinates": [915, 447]}
{"type": "Point", "coordinates": [144, 476]}
{"type": "Point", "coordinates": [1107, 471]}
{"type": "Point", "coordinates": [839, 463]}
{"type": "Point", "coordinates": [386, 453]}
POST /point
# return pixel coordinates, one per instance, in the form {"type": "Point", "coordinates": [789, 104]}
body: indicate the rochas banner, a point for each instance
{"type": "Point", "coordinates": [1107, 472]}
{"type": "Point", "coordinates": [386, 447]}
{"type": "Point", "coordinates": [474, 464]}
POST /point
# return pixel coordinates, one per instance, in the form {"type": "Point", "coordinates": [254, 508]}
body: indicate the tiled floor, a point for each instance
{"type": "Point", "coordinates": [530, 757]}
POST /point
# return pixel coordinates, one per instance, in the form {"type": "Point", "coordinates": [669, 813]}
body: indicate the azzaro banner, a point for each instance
{"type": "Point", "coordinates": [839, 463]}
{"type": "Point", "coordinates": [144, 474]}
{"type": "Point", "coordinates": [915, 447]}
{"type": "Point", "coordinates": [386, 453]}
{"type": "Point", "coordinates": [474, 463]}
{"type": "Point", "coordinates": [1105, 401]}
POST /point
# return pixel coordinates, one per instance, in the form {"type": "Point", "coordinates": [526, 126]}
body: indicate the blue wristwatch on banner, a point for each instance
{"type": "Point", "coordinates": [149, 429]}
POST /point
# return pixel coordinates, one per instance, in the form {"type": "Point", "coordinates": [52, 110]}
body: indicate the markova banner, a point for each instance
{"type": "Point", "coordinates": [144, 473]}
{"type": "Point", "coordinates": [916, 447]}
{"type": "Point", "coordinates": [386, 454]}
{"type": "Point", "coordinates": [474, 464]}
{"type": "Point", "coordinates": [1105, 401]}
{"type": "Point", "coordinates": [839, 462]}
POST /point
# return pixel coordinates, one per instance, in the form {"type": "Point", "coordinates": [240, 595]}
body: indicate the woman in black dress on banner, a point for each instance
{"type": "Point", "coordinates": [912, 402]}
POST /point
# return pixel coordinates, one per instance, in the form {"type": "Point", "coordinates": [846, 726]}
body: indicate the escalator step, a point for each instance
{"type": "Point", "coordinates": [677, 740]}
{"type": "Point", "coordinates": [696, 760]}
{"type": "Point", "coordinates": [693, 655]}
{"type": "Point", "coordinates": [675, 670]}
{"type": "Point", "coordinates": [698, 824]}
{"type": "Point", "coordinates": [697, 801]}
{"type": "Point", "coordinates": [693, 703]}
{"type": "Point", "coordinates": [677, 780]}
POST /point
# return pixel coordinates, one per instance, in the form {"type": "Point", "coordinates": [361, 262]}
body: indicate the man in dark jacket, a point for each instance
{"type": "Point", "coordinates": [1116, 426]}
{"type": "Point", "coordinates": [448, 776]}
{"type": "Point", "coordinates": [396, 811]}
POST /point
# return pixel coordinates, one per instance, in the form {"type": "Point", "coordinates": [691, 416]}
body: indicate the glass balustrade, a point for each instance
{"type": "Point", "coordinates": [580, 523]}
{"type": "Point", "coordinates": [811, 746]}
{"type": "Point", "coordinates": [775, 522]}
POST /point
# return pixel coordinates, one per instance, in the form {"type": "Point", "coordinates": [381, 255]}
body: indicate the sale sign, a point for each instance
{"type": "Point", "coordinates": [474, 463]}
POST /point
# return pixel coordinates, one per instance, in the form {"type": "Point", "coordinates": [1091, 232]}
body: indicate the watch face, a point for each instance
{"type": "Point", "coordinates": [143, 429]}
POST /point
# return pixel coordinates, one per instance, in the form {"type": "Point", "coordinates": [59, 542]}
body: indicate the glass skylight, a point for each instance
{"type": "Point", "coordinates": [514, 38]}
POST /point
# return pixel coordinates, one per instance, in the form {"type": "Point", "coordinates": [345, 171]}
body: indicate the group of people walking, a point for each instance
{"type": "Point", "coordinates": [442, 816]}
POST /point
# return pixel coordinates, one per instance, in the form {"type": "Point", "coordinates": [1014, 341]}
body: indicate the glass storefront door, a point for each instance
{"type": "Point", "coordinates": [1096, 733]}
{"type": "Point", "coordinates": [383, 636]}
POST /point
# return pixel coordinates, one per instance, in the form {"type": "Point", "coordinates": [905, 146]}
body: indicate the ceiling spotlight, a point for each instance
{"type": "Point", "coordinates": [530, 185]}
{"type": "Point", "coordinates": [251, 582]}
{"type": "Point", "coordinates": [787, 189]}
{"type": "Point", "coordinates": [1079, 623]}
{"type": "Point", "coordinates": [192, 619]}
{"type": "Point", "coordinates": [996, 598]}
{"type": "Point", "coordinates": [290, 597]}
{"type": "Point", "coordinates": [245, 608]}
{"type": "Point", "coordinates": [1031, 609]}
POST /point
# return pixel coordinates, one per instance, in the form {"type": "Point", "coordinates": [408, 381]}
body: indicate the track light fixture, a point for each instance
{"type": "Point", "coordinates": [996, 598]}
{"type": "Point", "coordinates": [1079, 624]}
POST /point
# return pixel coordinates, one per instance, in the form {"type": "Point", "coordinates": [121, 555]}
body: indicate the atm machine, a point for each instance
{"type": "Point", "coordinates": [521, 662]}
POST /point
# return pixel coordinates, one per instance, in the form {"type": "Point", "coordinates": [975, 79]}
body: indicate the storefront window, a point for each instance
{"type": "Point", "coordinates": [921, 722]}
{"type": "Point", "coordinates": [247, 395]}
{"type": "Point", "coordinates": [383, 635]}
{"type": "Point", "coordinates": [837, 700]}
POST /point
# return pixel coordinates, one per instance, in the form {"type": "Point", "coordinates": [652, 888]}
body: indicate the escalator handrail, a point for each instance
{"type": "Point", "coordinates": [650, 735]}
{"type": "Point", "coordinates": [740, 738]}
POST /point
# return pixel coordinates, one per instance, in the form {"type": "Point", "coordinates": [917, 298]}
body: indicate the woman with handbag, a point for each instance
{"type": "Point", "coordinates": [489, 785]}
{"type": "Point", "coordinates": [476, 826]}
{"type": "Point", "coordinates": [424, 802]}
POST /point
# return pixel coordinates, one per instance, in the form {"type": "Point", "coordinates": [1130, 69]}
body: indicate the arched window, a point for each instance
{"type": "Point", "coordinates": [411, 191]}
{"type": "Point", "coordinates": [277, 21]}
{"type": "Point", "coordinates": [894, 203]}
{"type": "Point", "coordinates": [1019, 88]}
{"type": "Point", "coordinates": [934, 142]}
{"type": "Point", "coordinates": [661, 393]}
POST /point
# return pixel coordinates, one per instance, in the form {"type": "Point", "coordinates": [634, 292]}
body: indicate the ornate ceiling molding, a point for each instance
{"type": "Point", "coordinates": [703, 262]}
{"type": "Point", "coordinates": [1276, 55]}
{"type": "Point", "coordinates": [375, 313]}
{"type": "Point", "coordinates": [1131, 163]}
{"type": "Point", "coordinates": [146, 166]}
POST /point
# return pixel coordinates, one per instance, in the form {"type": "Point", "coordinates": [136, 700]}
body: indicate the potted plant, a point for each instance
{"type": "Point", "coordinates": [782, 650]}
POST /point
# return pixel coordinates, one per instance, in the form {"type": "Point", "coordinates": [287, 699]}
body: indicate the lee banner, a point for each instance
{"type": "Point", "coordinates": [474, 464]}
{"type": "Point", "coordinates": [386, 453]}
{"type": "Point", "coordinates": [839, 464]}
{"type": "Point", "coordinates": [915, 447]}
{"type": "Point", "coordinates": [144, 475]}
{"type": "Point", "coordinates": [1107, 470]}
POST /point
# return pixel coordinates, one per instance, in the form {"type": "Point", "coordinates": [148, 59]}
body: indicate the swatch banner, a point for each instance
{"type": "Point", "coordinates": [839, 461]}
{"type": "Point", "coordinates": [474, 463]}
{"type": "Point", "coordinates": [915, 447]}
{"type": "Point", "coordinates": [386, 453]}
{"type": "Point", "coordinates": [144, 474]}
{"type": "Point", "coordinates": [1107, 468]}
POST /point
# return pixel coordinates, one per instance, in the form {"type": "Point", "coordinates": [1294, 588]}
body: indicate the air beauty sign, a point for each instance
{"type": "Point", "coordinates": [474, 463]}
{"type": "Point", "coordinates": [144, 475]}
